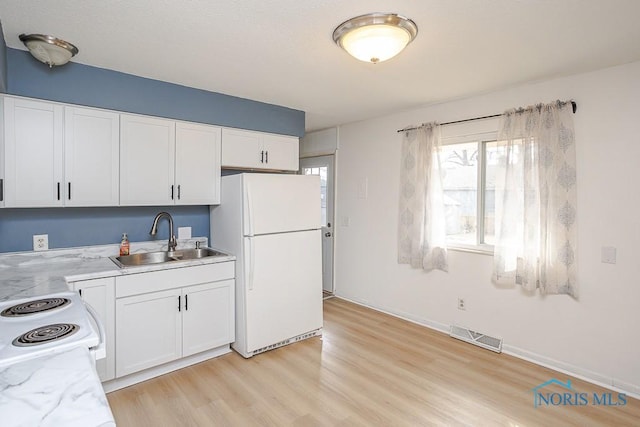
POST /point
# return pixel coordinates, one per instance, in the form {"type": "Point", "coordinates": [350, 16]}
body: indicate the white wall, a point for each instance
{"type": "Point", "coordinates": [596, 336]}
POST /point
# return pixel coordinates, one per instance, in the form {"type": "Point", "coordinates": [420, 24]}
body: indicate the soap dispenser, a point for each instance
{"type": "Point", "coordinates": [124, 245]}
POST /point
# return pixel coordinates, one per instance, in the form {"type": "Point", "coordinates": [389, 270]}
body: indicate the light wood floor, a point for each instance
{"type": "Point", "coordinates": [367, 369]}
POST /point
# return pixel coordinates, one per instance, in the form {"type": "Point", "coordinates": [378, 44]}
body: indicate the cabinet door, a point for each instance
{"type": "Point", "coordinates": [100, 294]}
{"type": "Point", "coordinates": [33, 153]}
{"type": "Point", "coordinates": [281, 152]}
{"type": "Point", "coordinates": [148, 331]}
{"type": "Point", "coordinates": [242, 149]}
{"type": "Point", "coordinates": [197, 164]}
{"type": "Point", "coordinates": [208, 316]}
{"type": "Point", "coordinates": [147, 155]}
{"type": "Point", "coordinates": [91, 147]}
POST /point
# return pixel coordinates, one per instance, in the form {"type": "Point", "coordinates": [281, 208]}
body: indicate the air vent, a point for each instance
{"type": "Point", "coordinates": [288, 341]}
{"type": "Point", "coordinates": [476, 338]}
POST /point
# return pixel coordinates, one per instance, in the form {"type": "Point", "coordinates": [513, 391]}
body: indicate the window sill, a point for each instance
{"type": "Point", "coordinates": [482, 250]}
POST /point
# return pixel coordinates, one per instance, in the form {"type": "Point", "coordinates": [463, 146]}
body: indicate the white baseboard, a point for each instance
{"type": "Point", "coordinates": [632, 390]}
{"type": "Point", "coordinates": [147, 374]}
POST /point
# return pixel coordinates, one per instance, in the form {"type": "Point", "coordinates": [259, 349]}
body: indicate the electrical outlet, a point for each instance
{"type": "Point", "coordinates": [461, 304]}
{"type": "Point", "coordinates": [40, 242]}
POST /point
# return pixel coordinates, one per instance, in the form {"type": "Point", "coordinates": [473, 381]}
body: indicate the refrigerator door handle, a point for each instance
{"type": "Point", "coordinates": [251, 264]}
{"type": "Point", "coordinates": [249, 210]}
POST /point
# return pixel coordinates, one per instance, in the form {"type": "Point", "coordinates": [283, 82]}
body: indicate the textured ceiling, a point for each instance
{"type": "Point", "coordinates": [281, 51]}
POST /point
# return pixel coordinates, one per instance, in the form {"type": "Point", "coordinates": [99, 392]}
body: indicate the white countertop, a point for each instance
{"type": "Point", "coordinates": [63, 389]}
{"type": "Point", "coordinates": [55, 390]}
{"type": "Point", "coordinates": [31, 274]}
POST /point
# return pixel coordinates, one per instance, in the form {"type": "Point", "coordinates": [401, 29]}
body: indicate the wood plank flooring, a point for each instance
{"type": "Point", "coordinates": [367, 369]}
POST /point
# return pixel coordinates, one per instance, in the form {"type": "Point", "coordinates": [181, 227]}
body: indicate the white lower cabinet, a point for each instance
{"type": "Point", "coordinates": [207, 318]}
{"type": "Point", "coordinates": [166, 315]}
{"type": "Point", "coordinates": [100, 295]}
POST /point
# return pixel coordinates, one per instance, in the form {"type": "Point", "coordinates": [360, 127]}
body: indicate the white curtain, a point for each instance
{"type": "Point", "coordinates": [536, 202]}
{"type": "Point", "coordinates": [421, 226]}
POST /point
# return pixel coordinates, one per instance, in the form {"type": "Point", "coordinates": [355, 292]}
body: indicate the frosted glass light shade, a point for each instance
{"type": "Point", "coordinates": [50, 50]}
{"type": "Point", "coordinates": [375, 37]}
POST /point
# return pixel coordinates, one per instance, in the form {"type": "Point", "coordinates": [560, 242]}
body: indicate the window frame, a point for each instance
{"type": "Point", "coordinates": [482, 139]}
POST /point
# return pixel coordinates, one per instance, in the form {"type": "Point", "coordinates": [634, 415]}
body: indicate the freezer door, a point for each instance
{"type": "Point", "coordinates": [275, 203]}
{"type": "Point", "coordinates": [283, 287]}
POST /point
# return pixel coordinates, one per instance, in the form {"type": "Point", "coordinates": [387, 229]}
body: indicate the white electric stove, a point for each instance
{"type": "Point", "coordinates": [38, 326]}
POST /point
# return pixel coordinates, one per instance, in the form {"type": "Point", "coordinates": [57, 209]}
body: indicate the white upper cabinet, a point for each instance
{"type": "Point", "coordinates": [242, 149]}
{"type": "Point", "coordinates": [147, 153]}
{"type": "Point", "coordinates": [164, 163]}
{"type": "Point", "coordinates": [59, 155]}
{"type": "Point", "coordinates": [197, 164]}
{"type": "Point", "coordinates": [91, 150]}
{"type": "Point", "coordinates": [33, 140]}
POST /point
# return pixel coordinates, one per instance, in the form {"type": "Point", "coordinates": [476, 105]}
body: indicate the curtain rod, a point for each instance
{"type": "Point", "coordinates": [574, 107]}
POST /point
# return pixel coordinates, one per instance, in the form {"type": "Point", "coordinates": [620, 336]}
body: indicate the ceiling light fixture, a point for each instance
{"type": "Point", "coordinates": [375, 37]}
{"type": "Point", "coordinates": [48, 49]}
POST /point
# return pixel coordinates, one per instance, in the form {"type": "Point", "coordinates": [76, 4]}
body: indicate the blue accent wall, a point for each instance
{"type": "Point", "coordinates": [3, 62]}
{"type": "Point", "coordinates": [90, 86]}
{"type": "Point", "coordinates": [71, 227]}
{"type": "Point", "coordinates": [96, 87]}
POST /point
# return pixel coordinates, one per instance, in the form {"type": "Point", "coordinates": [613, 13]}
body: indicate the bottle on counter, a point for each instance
{"type": "Point", "coordinates": [124, 245]}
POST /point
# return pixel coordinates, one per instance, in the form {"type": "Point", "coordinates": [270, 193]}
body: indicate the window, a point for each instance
{"type": "Point", "coordinates": [470, 166]}
{"type": "Point", "coordinates": [322, 172]}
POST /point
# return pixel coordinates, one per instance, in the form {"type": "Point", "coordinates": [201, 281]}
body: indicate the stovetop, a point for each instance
{"type": "Point", "coordinates": [63, 324]}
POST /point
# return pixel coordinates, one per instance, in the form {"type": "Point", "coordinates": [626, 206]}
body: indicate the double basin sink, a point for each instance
{"type": "Point", "coordinates": [149, 258]}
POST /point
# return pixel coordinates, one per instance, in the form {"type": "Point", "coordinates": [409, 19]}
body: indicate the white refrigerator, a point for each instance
{"type": "Point", "coordinates": [271, 223]}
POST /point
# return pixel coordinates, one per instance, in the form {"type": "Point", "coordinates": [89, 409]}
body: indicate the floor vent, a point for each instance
{"type": "Point", "coordinates": [476, 338]}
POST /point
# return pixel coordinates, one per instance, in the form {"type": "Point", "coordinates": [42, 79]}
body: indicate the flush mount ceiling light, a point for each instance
{"type": "Point", "coordinates": [48, 49]}
{"type": "Point", "coordinates": [375, 37]}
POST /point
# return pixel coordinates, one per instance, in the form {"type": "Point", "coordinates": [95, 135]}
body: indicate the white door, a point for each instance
{"type": "Point", "coordinates": [148, 330]}
{"type": "Point", "coordinates": [92, 159]}
{"type": "Point", "coordinates": [241, 149]}
{"type": "Point", "coordinates": [283, 282]}
{"type": "Point", "coordinates": [100, 295]}
{"type": "Point", "coordinates": [33, 153]}
{"type": "Point", "coordinates": [277, 203]}
{"type": "Point", "coordinates": [147, 161]}
{"type": "Point", "coordinates": [281, 152]}
{"type": "Point", "coordinates": [197, 164]}
{"type": "Point", "coordinates": [207, 318]}
{"type": "Point", "coordinates": [323, 167]}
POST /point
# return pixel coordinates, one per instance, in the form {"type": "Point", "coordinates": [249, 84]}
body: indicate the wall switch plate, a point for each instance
{"type": "Point", "coordinates": [608, 255]}
{"type": "Point", "coordinates": [40, 242]}
{"type": "Point", "coordinates": [184, 232]}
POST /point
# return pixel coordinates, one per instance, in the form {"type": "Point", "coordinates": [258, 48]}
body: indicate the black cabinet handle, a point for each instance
{"type": "Point", "coordinates": [186, 302]}
{"type": "Point", "coordinates": [69, 192]}
{"type": "Point", "coordinates": [172, 192]}
{"type": "Point", "coordinates": [1, 190]}
{"type": "Point", "coordinates": [262, 156]}
{"type": "Point", "coordinates": [178, 192]}
{"type": "Point", "coordinates": [179, 303]}
{"type": "Point", "coordinates": [266, 157]}
{"type": "Point", "coordinates": [58, 191]}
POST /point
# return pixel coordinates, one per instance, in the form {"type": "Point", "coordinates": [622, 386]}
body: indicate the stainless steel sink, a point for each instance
{"type": "Point", "coordinates": [149, 258]}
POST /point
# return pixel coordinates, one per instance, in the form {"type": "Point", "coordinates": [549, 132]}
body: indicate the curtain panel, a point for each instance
{"type": "Point", "coordinates": [536, 200]}
{"type": "Point", "coordinates": [421, 225]}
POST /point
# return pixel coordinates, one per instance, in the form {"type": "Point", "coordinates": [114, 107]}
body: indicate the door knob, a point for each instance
{"type": "Point", "coordinates": [327, 234]}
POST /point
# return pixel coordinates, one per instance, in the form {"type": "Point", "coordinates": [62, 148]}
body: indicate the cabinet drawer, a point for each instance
{"type": "Point", "coordinates": [136, 284]}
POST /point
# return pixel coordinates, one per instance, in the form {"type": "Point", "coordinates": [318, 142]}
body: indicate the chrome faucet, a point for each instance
{"type": "Point", "coordinates": [172, 237]}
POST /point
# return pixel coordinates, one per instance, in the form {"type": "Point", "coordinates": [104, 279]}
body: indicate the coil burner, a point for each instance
{"type": "Point", "coordinates": [45, 334]}
{"type": "Point", "coordinates": [34, 307]}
